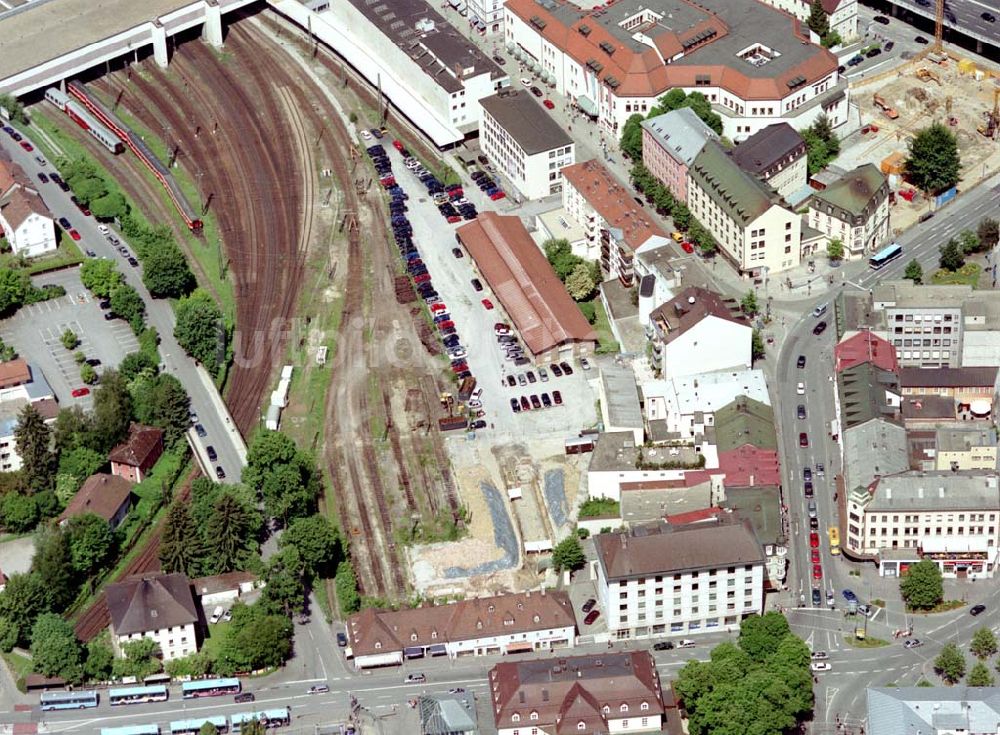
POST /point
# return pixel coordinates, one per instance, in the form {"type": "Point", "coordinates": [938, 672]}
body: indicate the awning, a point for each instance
{"type": "Point", "coordinates": [413, 652]}
{"type": "Point", "coordinates": [587, 105]}
{"type": "Point", "coordinates": [510, 48]}
{"type": "Point", "coordinates": [520, 648]}
{"type": "Point", "coordinates": [438, 649]}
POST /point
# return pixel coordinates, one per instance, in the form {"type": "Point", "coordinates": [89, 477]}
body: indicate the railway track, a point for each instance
{"type": "Point", "coordinates": [397, 453]}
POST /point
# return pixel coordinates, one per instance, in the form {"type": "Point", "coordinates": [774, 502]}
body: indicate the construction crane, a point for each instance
{"type": "Point", "coordinates": [990, 128]}
{"type": "Point", "coordinates": [939, 27]}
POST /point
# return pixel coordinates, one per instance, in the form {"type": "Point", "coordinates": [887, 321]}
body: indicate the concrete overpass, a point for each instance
{"type": "Point", "coordinates": [960, 16]}
{"type": "Point", "coordinates": [47, 41]}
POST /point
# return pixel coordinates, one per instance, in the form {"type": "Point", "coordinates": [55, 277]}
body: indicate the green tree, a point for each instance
{"type": "Point", "coordinates": [166, 274]}
{"type": "Point", "coordinates": [198, 328]}
{"type": "Point", "coordinates": [73, 428]}
{"type": "Point", "coordinates": [631, 141]}
{"type": "Point", "coordinates": [14, 108]}
{"type": "Point", "coordinates": [139, 659]}
{"type": "Point", "coordinates": [761, 635]}
{"type": "Point", "coordinates": [33, 439]}
{"type": "Point", "coordinates": [137, 364]}
{"type": "Point", "coordinates": [128, 304]}
{"type": "Point", "coordinates": [78, 464]}
{"type": "Point", "coordinates": [681, 216]}
{"type": "Point", "coordinates": [170, 407]}
{"type": "Point", "coordinates": [112, 411]}
{"type": "Point", "coordinates": [316, 540]}
{"type": "Point", "coordinates": [748, 304]}
{"type": "Point", "coordinates": [180, 544]}
{"type": "Point", "coordinates": [289, 492]}
{"type": "Point", "coordinates": [100, 659]}
{"type": "Point", "coordinates": [195, 665]}
{"type": "Point", "coordinates": [934, 163]}
{"type": "Point", "coordinates": [22, 601]}
{"type": "Point", "coordinates": [968, 241]}
{"type": "Point", "coordinates": [69, 339]}
{"type": "Point", "coordinates": [87, 374]}
{"type": "Point", "coordinates": [284, 592]}
{"type": "Point", "coordinates": [835, 249]}
{"type": "Point", "coordinates": [561, 258]}
{"type": "Point", "coordinates": [55, 651]}
{"type": "Point", "coordinates": [979, 676]}
{"type": "Point", "coordinates": [950, 663]}
{"type": "Point", "coordinates": [109, 206]}
{"type": "Point", "coordinates": [92, 543]}
{"type": "Point", "coordinates": [8, 634]}
{"type": "Point", "coordinates": [913, 271]}
{"type": "Point", "coordinates": [228, 531]}
{"type": "Point", "coordinates": [256, 641]}
{"type": "Point", "coordinates": [53, 564]}
{"type": "Point", "coordinates": [642, 179]}
{"type": "Point", "coordinates": [346, 584]}
{"type": "Point", "coordinates": [580, 282]}
{"type": "Point", "coordinates": [951, 256]}
{"type": "Point", "coordinates": [100, 276]}
{"type": "Point", "coordinates": [14, 289]}
{"type": "Point", "coordinates": [88, 188]}
{"type": "Point", "coordinates": [988, 232]}
{"type": "Point", "coordinates": [568, 554]}
{"type": "Point", "coordinates": [832, 39]}
{"type": "Point", "coordinates": [984, 643]}
{"type": "Point", "coordinates": [19, 512]}
{"type": "Point", "coordinates": [818, 21]}
{"type": "Point", "coordinates": [757, 347]}
{"type": "Point", "coordinates": [921, 586]}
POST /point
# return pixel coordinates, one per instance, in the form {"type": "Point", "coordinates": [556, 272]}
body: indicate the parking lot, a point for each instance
{"type": "Point", "coordinates": [452, 279]}
{"type": "Point", "coordinates": [35, 332]}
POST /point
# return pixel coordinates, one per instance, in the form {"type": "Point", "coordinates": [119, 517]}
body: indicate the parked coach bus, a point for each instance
{"type": "Point", "coordinates": [68, 700]}
{"type": "Point", "coordinates": [138, 695]}
{"type": "Point", "coordinates": [210, 688]}
{"type": "Point", "coordinates": [885, 255]}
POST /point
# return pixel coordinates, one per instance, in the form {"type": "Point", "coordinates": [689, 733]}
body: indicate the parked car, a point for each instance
{"type": "Point", "coordinates": [566, 368]}
{"type": "Point", "coordinates": [80, 392]}
{"type": "Point", "coordinates": [74, 234]}
{"type": "Point", "coordinates": [43, 178]}
{"type": "Point", "coordinates": [212, 454]}
{"type": "Point", "coordinates": [487, 304]}
{"type": "Point", "coordinates": [819, 666]}
{"type": "Point", "coordinates": [549, 104]}
{"type": "Point", "coordinates": [819, 328]}
{"type": "Point", "coordinates": [977, 609]}
{"type": "Point", "coordinates": [557, 397]}
{"type": "Point", "coordinates": [685, 643]}
{"type": "Point", "coordinates": [663, 646]}
{"type": "Point", "coordinates": [556, 370]}
{"type": "Point", "coordinates": [200, 431]}
{"type": "Point", "coordinates": [849, 595]}
{"type": "Point", "coordinates": [881, 19]}
{"type": "Point", "coordinates": [921, 40]}
{"type": "Point", "coordinates": [477, 285]}
{"type": "Point", "coordinates": [220, 473]}
{"type": "Point", "coordinates": [536, 91]}
{"type": "Point", "coordinates": [591, 617]}
{"type": "Point", "coordinates": [457, 252]}
{"type": "Point", "coordinates": [588, 605]}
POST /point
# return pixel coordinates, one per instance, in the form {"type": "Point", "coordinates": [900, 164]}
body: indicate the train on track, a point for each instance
{"type": "Point", "coordinates": [139, 148]}
{"type": "Point", "coordinates": [85, 120]}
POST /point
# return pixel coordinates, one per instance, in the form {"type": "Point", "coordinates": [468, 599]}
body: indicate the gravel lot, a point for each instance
{"type": "Point", "coordinates": [35, 331]}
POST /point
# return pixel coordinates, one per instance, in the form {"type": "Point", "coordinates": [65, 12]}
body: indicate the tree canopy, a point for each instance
{"type": "Point", "coordinates": [199, 328]}
{"type": "Point", "coordinates": [180, 544]}
{"type": "Point", "coordinates": [165, 272]}
{"type": "Point", "coordinates": [950, 664]}
{"type": "Point", "coordinates": [914, 271]}
{"type": "Point", "coordinates": [934, 163]}
{"type": "Point", "coordinates": [568, 554]}
{"type": "Point", "coordinates": [33, 438]}
{"type": "Point", "coordinates": [952, 257]}
{"type": "Point", "coordinates": [922, 587]}
{"type": "Point", "coordinates": [984, 643]}
{"type": "Point", "coordinates": [316, 541]}
{"type": "Point", "coordinates": [55, 651]}
{"type": "Point", "coordinates": [101, 276]}
{"type": "Point", "coordinates": [822, 146]}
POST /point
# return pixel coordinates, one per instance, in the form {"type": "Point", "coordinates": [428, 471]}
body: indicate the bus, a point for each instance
{"type": "Point", "coordinates": [886, 254]}
{"type": "Point", "coordinates": [138, 695]}
{"type": "Point", "coordinates": [269, 718]}
{"type": "Point", "coordinates": [834, 540]}
{"type": "Point", "coordinates": [68, 700]}
{"type": "Point", "coordinates": [192, 727]}
{"type": "Point", "coordinates": [210, 688]}
{"type": "Point", "coordinates": [132, 730]}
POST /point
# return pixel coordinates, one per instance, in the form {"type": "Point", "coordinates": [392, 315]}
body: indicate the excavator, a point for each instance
{"type": "Point", "coordinates": [991, 127]}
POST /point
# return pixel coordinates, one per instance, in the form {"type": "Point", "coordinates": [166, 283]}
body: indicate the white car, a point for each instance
{"type": "Point", "coordinates": [477, 394]}
{"type": "Point", "coordinates": [365, 135]}
{"type": "Point", "coordinates": [457, 353]}
{"type": "Point", "coordinates": [800, 389]}
{"type": "Point", "coordinates": [103, 229]}
{"type": "Point", "coordinates": [820, 666]}
{"type": "Point", "coordinates": [526, 82]}
{"type": "Point", "coordinates": [685, 643]}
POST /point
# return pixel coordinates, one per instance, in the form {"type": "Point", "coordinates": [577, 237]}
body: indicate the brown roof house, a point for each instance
{"type": "Point", "coordinates": [698, 331]}
{"type": "Point", "coordinates": [160, 607]}
{"type": "Point", "coordinates": [515, 623]}
{"type": "Point", "coordinates": [597, 693]}
{"type": "Point", "coordinates": [107, 496]}
{"type": "Point", "coordinates": [134, 458]}
{"type": "Point", "coordinates": [24, 219]}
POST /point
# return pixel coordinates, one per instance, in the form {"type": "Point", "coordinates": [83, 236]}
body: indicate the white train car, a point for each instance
{"type": "Point", "coordinates": [78, 114]}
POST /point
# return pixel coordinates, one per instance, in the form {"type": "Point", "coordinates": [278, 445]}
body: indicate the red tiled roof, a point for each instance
{"type": "Point", "coordinates": [14, 372]}
{"type": "Point", "coordinates": [693, 516]}
{"type": "Point", "coordinates": [141, 441]}
{"type": "Point", "coordinates": [524, 282]}
{"type": "Point", "coordinates": [863, 347]}
{"type": "Point", "coordinates": [613, 201]}
{"type": "Point", "coordinates": [21, 204]}
{"type": "Point", "coordinates": [748, 466]}
{"type": "Point", "coordinates": [101, 494]}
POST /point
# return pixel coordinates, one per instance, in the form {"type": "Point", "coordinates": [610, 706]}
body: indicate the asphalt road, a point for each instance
{"type": "Point", "coordinates": [205, 399]}
{"type": "Point", "coordinates": [964, 16]}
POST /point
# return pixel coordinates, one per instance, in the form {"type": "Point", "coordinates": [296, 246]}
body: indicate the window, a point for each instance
{"type": "Point", "coordinates": [515, 717]}
{"type": "Point", "coordinates": [644, 706]}
{"type": "Point", "coordinates": [534, 715]}
{"type": "Point", "coordinates": [624, 707]}
{"type": "Point", "coordinates": [581, 725]}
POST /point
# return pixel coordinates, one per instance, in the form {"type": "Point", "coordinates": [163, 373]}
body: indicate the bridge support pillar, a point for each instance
{"type": "Point", "coordinates": [160, 51]}
{"type": "Point", "coordinates": [212, 30]}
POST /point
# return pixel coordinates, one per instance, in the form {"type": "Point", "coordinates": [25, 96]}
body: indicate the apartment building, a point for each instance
{"type": "Point", "coordinates": [964, 448]}
{"type": "Point", "coordinates": [854, 210]}
{"type": "Point", "coordinates": [749, 221]}
{"type": "Point", "coordinates": [971, 387]}
{"type": "Point", "coordinates": [160, 607]}
{"type": "Point", "coordinates": [776, 155]}
{"type": "Point", "coordinates": [486, 16]}
{"type": "Point", "coordinates": [670, 143]}
{"type": "Point", "coordinates": [524, 143]}
{"type": "Point", "coordinates": [867, 405]}
{"type": "Point", "coordinates": [664, 579]}
{"type": "Point", "coordinates": [755, 64]}
{"type": "Point", "coordinates": [687, 404]}
{"type": "Point", "coordinates": [21, 384]}
{"type": "Point", "coordinates": [948, 517]}
{"type": "Point", "coordinates": [25, 220]}
{"type": "Point", "coordinates": [842, 14]}
{"type": "Point", "coordinates": [615, 223]}
{"type": "Point", "coordinates": [923, 323]}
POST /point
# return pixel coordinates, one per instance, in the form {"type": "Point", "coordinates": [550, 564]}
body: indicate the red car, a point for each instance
{"type": "Point", "coordinates": [454, 218]}
{"type": "Point", "coordinates": [591, 617]}
{"type": "Point", "coordinates": [687, 247]}
{"type": "Point", "coordinates": [815, 556]}
{"type": "Point", "coordinates": [398, 145]}
{"type": "Point", "coordinates": [81, 392]}
{"type": "Point", "coordinates": [446, 325]}
{"type": "Point", "coordinates": [814, 539]}
{"type": "Point", "coordinates": [803, 439]}
{"type": "Point", "coordinates": [438, 307]}
{"type": "Point", "coordinates": [422, 278]}
{"type": "Point", "coordinates": [557, 397]}
{"type": "Point", "coordinates": [460, 368]}
{"type": "Point", "coordinates": [525, 405]}
{"type": "Point", "coordinates": [27, 146]}
{"type": "Point", "coordinates": [488, 304]}
{"type": "Point", "coordinates": [817, 571]}
{"type": "Point", "coordinates": [74, 234]}
{"type": "Point", "coordinates": [497, 196]}
{"type": "Point", "coordinates": [549, 104]}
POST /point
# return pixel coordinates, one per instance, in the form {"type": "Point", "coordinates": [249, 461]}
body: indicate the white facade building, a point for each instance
{"type": "Point", "coordinates": [842, 14]}
{"type": "Point", "coordinates": [698, 578]}
{"type": "Point", "coordinates": [854, 210]}
{"type": "Point", "coordinates": [524, 143]}
{"type": "Point", "coordinates": [27, 223]}
{"type": "Point", "coordinates": [159, 607]}
{"type": "Point", "coordinates": [486, 16]}
{"type": "Point", "coordinates": [688, 404]}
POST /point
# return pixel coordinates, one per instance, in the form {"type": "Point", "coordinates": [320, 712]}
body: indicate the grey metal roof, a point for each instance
{"type": "Point", "coordinates": [525, 120]}
{"type": "Point", "coordinates": [681, 133]}
{"type": "Point", "coordinates": [767, 147]}
{"type": "Point", "coordinates": [622, 397]}
{"type": "Point", "coordinates": [910, 710]}
{"type": "Point", "coordinates": [875, 448]}
{"type": "Point", "coordinates": [962, 439]}
{"type": "Point", "coordinates": [936, 491]}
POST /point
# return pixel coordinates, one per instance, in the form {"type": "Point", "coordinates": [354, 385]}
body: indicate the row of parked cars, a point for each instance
{"type": "Point", "coordinates": [402, 231]}
{"type": "Point", "coordinates": [488, 185]}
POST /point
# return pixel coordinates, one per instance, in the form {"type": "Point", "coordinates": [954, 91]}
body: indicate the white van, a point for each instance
{"type": "Point", "coordinates": [216, 615]}
{"type": "Point", "coordinates": [820, 310]}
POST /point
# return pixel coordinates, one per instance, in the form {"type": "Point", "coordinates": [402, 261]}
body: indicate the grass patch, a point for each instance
{"type": "Point", "coordinates": [967, 275]}
{"type": "Point", "coordinates": [600, 508]}
{"type": "Point", "coordinates": [20, 666]}
{"type": "Point", "coordinates": [67, 254]}
{"type": "Point", "coordinates": [323, 598]}
{"type": "Point", "coordinates": [606, 342]}
{"type": "Point", "coordinates": [868, 642]}
{"type": "Point", "coordinates": [943, 606]}
{"type": "Point", "coordinates": [878, 603]}
{"type": "Point", "coordinates": [375, 420]}
{"type": "Point", "coordinates": [214, 640]}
